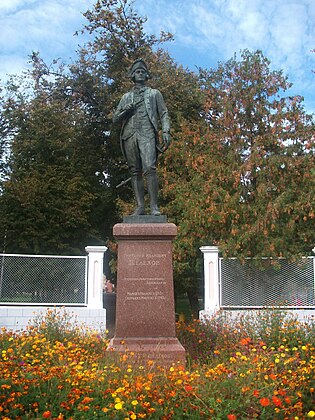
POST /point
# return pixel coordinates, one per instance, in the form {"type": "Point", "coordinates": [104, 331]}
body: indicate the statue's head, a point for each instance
{"type": "Point", "coordinates": [138, 64]}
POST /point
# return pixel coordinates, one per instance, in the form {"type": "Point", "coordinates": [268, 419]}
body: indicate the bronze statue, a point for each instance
{"type": "Point", "coordinates": [140, 111]}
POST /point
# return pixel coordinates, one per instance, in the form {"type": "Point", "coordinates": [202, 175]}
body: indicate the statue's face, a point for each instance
{"type": "Point", "coordinates": [140, 75]}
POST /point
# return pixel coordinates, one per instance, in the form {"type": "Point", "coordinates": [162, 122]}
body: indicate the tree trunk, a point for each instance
{"type": "Point", "coordinates": [192, 294]}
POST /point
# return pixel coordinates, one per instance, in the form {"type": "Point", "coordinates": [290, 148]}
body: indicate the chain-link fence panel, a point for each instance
{"type": "Point", "coordinates": [279, 283]}
{"type": "Point", "coordinates": [43, 279]}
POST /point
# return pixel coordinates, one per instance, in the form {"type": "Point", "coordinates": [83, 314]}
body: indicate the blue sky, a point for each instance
{"type": "Point", "coordinates": [206, 31]}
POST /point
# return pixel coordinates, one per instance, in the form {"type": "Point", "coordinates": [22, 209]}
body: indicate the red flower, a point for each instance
{"type": "Point", "coordinates": [276, 400]}
{"type": "Point", "coordinates": [264, 401]}
{"type": "Point", "coordinates": [231, 417]}
{"type": "Point", "coordinates": [256, 393]}
{"type": "Point", "coordinates": [46, 414]}
{"type": "Point", "coordinates": [188, 388]}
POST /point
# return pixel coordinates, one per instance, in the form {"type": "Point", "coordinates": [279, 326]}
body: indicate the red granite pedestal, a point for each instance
{"type": "Point", "coordinates": [145, 311]}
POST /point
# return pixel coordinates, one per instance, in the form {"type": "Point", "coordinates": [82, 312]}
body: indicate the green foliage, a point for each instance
{"type": "Point", "coordinates": [3, 142]}
{"type": "Point", "coordinates": [242, 177]}
{"type": "Point", "coordinates": [199, 339]}
{"type": "Point", "coordinates": [275, 328]}
{"type": "Point", "coordinates": [220, 337]}
{"type": "Point", "coordinates": [58, 325]}
{"type": "Point", "coordinates": [47, 199]}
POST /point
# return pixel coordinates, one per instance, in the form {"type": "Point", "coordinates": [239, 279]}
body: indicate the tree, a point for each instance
{"type": "Point", "coordinates": [49, 199]}
{"type": "Point", "coordinates": [4, 140]}
{"type": "Point", "coordinates": [246, 182]}
{"type": "Point", "coordinates": [86, 93]}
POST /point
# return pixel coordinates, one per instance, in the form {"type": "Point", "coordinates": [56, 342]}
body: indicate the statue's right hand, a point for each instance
{"type": "Point", "coordinates": [129, 107]}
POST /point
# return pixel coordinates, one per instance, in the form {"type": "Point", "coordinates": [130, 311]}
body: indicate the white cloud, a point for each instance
{"type": "Point", "coordinates": [9, 6]}
{"type": "Point", "coordinates": [206, 31]}
{"type": "Point", "coordinates": [46, 26]}
{"type": "Point", "coordinates": [283, 29]}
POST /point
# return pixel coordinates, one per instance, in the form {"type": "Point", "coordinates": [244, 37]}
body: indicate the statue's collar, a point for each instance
{"type": "Point", "coordinates": [139, 89]}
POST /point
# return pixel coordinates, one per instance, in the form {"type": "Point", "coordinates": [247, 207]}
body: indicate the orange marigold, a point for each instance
{"type": "Point", "coordinates": [276, 400]}
{"type": "Point", "coordinates": [256, 393]}
{"type": "Point", "coordinates": [264, 401]}
{"type": "Point", "coordinates": [245, 341]}
{"type": "Point", "coordinates": [86, 400]}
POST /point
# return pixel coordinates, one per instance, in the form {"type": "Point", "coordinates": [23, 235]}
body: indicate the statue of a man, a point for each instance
{"type": "Point", "coordinates": [140, 112]}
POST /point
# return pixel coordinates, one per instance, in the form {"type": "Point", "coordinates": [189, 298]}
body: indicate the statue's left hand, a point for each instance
{"type": "Point", "coordinates": [166, 141]}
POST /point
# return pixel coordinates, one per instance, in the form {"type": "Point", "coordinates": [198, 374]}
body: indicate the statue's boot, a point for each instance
{"type": "Point", "coordinates": [138, 188]}
{"type": "Point", "coordinates": [153, 187]}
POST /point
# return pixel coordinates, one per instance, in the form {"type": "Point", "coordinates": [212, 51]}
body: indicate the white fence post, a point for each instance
{"type": "Point", "coordinates": [211, 277]}
{"type": "Point", "coordinates": [95, 276]}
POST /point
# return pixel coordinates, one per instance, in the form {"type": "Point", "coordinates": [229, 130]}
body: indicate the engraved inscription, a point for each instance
{"type": "Point", "coordinates": [145, 259]}
{"type": "Point", "coordinates": [156, 282]}
{"type": "Point", "coordinates": [155, 295]}
{"type": "Point", "coordinates": [149, 281]}
{"type": "Point", "coordinates": [149, 290]}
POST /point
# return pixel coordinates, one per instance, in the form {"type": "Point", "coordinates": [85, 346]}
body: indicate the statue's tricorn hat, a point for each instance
{"type": "Point", "coordinates": [138, 64]}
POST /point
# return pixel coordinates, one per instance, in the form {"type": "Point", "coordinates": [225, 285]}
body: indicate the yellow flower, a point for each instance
{"type": "Point", "coordinates": [118, 406]}
{"type": "Point", "coordinates": [134, 402]}
{"type": "Point", "coordinates": [311, 413]}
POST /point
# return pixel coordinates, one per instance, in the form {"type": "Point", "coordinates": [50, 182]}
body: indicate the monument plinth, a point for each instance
{"type": "Point", "coordinates": [145, 310]}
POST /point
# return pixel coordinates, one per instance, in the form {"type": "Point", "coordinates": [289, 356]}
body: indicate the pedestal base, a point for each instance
{"type": "Point", "coordinates": [145, 309]}
{"type": "Point", "coordinates": [161, 352]}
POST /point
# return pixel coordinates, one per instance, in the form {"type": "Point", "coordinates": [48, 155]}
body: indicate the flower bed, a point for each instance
{"type": "Point", "coordinates": [262, 367]}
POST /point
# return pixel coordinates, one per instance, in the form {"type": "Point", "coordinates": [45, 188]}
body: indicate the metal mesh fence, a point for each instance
{"type": "Point", "coordinates": [279, 283]}
{"type": "Point", "coordinates": [42, 279]}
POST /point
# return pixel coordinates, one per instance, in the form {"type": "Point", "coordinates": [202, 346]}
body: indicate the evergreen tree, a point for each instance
{"type": "Point", "coordinates": [53, 198]}
{"type": "Point", "coordinates": [246, 183]}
